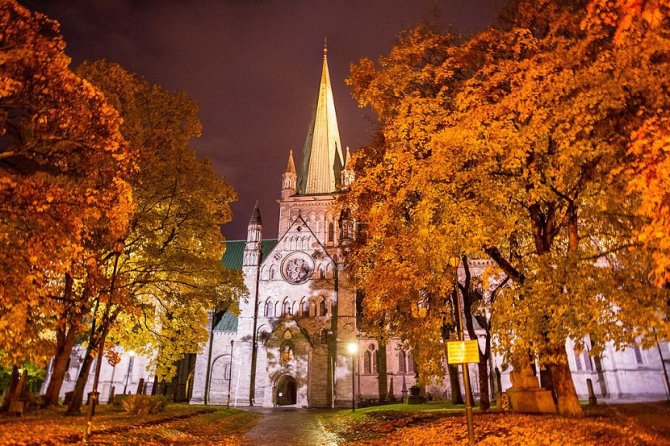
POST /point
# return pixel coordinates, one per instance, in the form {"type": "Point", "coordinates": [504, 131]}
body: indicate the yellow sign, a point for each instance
{"type": "Point", "coordinates": [460, 352]}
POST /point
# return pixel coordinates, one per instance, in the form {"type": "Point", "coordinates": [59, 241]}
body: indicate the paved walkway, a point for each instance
{"type": "Point", "coordinates": [288, 426]}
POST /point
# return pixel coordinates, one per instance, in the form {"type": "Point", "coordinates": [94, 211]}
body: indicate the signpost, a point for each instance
{"type": "Point", "coordinates": [462, 352]}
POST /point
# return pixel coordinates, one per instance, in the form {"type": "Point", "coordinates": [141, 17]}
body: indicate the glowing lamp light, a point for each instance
{"type": "Point", "coordinates": [352, 347]}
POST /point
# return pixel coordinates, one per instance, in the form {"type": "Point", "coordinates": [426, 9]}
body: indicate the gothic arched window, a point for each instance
{"type": "Point", "coordinates": [401, 362]}
{"type": "Point", "coordinates": [410, 362]}
{"type": "Point", "coordinates": [367, 362]}
{"type": "Point", "coordinates": [323, 310]}
{"type": "Point", "coordinates": [286, 311]}
{"type": "Point", "coordinates": [331, 231]}
{"type": "Point", "coordinates": [269, 309]}
{"type": "Point", "coordinates": [305, 308]}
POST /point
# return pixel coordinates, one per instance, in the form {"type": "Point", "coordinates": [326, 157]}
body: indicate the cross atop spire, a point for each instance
{"type": "Point", "coordinates": [322, 154]}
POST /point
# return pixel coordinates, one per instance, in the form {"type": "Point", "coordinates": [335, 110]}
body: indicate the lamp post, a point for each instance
{"type": "Point", "coordinates": [131, 360]}
{"type": "Point", "coordinates": [352, 347]}
{"type": "Point", "coordinates": [230, 372]}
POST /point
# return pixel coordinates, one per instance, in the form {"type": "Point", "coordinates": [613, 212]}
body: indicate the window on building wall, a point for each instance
{"type": "Point", "coordinates": [305, 308]}
{"type": "Point", "coordinates": [410, 362]}
{"type": "Point", "coordinates": [638, 354]}
{"type": "Point", "coordinates": [272, 273]}
{"type": "Point", "coordinates": [324, 336]}
{"type": "Point", "coordinates": [286, 311]}
{"type": "Point", "coordinates": [367, 362]}
{"type": "Point", "coordinates": [578, 362]}
{"type": "Point", "coordinates": [401, 362]}
{"type": "Point", "coordinates": [269, 309]}
{"type": "Point", "coordinates": [226, 371]}
{"type": "Point", "coordinates": [331, 231]}
{"type": "Point", "coordinates": [588, 366]}
{"type": "Point", "coordinates": [323, 309]}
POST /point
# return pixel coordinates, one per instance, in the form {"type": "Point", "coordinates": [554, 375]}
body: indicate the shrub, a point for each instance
{"type": "Point", "coordinates": [119, 399]}
{"type": "Point", "coordinates": [144, 404]}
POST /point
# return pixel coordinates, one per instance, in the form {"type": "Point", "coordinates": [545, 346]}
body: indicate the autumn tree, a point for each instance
{"type": "Point", "coordinates": [63, 171]}
{"type": "Point", "coordinates": [509, 146]}
{"type": "Point", "coordinates": [168, 272]}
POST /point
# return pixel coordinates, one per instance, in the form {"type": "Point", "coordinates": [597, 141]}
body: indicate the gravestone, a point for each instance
{"type": "Point", "coordinates": [592, 395]}
{"type": "Point", "coordinates": [415, 396]}
{"type": "Point", "coordinates": [67, 398]}
{"type": "Point", "coordinates": [110, 399]}
{"type": "Point", "coordinates": [525, 395]}
{"type": "Point", "coordinates": [140, 387]}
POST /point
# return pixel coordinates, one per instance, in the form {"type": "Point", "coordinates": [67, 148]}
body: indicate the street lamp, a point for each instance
{"type": "Point", "coordinates": [352, 347]}
{"type": "Point", "coordinates": [131, 360]}
{"type": "Point", "coordinates": [230, 372]}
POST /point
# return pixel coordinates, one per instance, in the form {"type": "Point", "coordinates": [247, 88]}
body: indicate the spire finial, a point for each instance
{"type": "Point", "coordinates": [290, 166]}
{"type": "Point", "coordinates": [256, 215]}
{"type": "Point", "coordinates": [325, 47]}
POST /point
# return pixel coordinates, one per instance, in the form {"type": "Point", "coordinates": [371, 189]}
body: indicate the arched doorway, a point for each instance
{"type": "Point", "coordinates": [285, 391]}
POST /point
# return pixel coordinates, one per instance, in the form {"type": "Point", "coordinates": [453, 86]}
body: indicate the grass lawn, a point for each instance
{"type": "Point", "coordinates": [178, 424]}
{"type": "Point", "coordinates": [439, 424]}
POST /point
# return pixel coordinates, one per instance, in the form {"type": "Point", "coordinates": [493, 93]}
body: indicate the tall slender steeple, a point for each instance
{"type": "Point", "coordinates": [252, 250]}
{"type": "Point", "coordinates": [322, 155]}
{"type": "Point", "coordinates": [288, 178]}
{"type": "Point", "coordinates": [347, 173]}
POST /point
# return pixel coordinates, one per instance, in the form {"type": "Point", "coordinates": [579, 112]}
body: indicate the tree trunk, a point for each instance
{"type": "Point", "coordinates": [59, 368]}
{"type": "Point", "coordinates": [482, 366]}
{"type": "Point", "coordinates": [568, 403]}
{"type": "Point", "coordinates": [484, 396]}
{"type": "Point", "coordinates": [382, 382]}
{"type": "Point", "coordinates": [78, 393]}
{"type": "Point", "coordinates": [11, 391]}
{"type": "Point", "coordinates": [65, 340]}
{"type": "Point", "coordinates": [456, 395]}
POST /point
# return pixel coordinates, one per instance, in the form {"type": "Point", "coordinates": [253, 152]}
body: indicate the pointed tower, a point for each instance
{"type": "Point", "coordinates": [252, 250]}
{"type": "Point", "coordinates": [288, 179]}
{"type": "Point", "coordinates": [322, 155]}
{"type": "Point", "coordinates": [347, 174]}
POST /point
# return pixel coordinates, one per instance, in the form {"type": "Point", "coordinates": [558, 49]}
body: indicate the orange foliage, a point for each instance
{"type": "Point", "coordinates": [63, 170]}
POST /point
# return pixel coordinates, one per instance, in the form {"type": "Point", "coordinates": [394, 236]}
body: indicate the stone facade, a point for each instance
{"type": "Point", "coordinates": [288, 345]}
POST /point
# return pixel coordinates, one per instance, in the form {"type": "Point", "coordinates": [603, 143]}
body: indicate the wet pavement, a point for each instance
{"type": "Point", "coordinates": [289, 426]}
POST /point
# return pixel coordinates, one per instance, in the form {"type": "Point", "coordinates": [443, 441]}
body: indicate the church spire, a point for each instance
{"type": "Point", "coordinates": [290, 166]}
{"type": "Point", "coordinates": [252, 250]}
{"type": "Point", "coordinates": [322, 155]}
{"type": "Point", "coordinates": [288, 178]}
{"type": "Point", "coordinates": [347, 173]}
{"type": "Point", "coordinates": [256, 216]}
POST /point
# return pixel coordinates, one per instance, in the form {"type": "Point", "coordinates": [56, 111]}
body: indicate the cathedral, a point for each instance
{"type": "Point", "coordinates": [295, 341]}
{"type": "Point", "coordinates": [291, 343]}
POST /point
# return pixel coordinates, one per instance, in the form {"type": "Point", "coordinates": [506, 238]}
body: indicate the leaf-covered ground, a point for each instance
{"type": "Point", "coordinates": [635, 424]}
{"type": "Point", "coordinates": [177, 425]}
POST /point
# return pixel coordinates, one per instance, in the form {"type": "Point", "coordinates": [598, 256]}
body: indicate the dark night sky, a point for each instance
{"type": "Point", "coordinates": [254, 67]}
